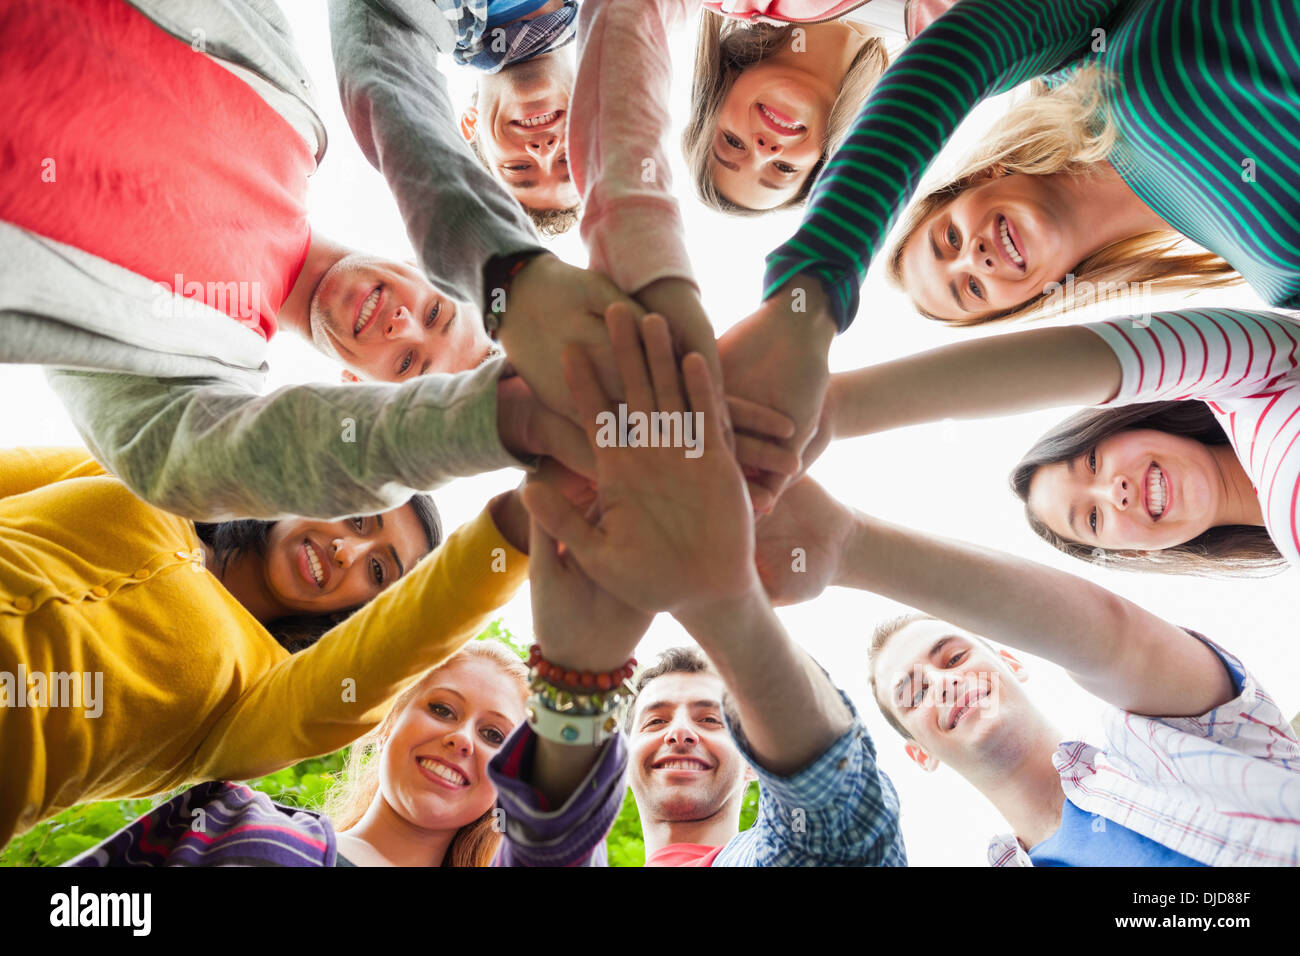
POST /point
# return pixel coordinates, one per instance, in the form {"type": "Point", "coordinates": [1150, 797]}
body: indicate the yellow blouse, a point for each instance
{"type": "Point", "coordinates": [93, 581]}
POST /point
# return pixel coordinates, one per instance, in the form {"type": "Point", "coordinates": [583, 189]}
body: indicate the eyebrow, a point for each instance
{"type": "Point", "coordinates": [695, 704]}
{"type": "Point", "coordinates": [401, 568]}
{"type": "Point", "coordinates": [907, 676]}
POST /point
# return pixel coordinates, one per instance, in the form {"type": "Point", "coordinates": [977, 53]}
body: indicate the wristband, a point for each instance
{"type": "Point", "coordinates": [580, 682]}
{"type": "Point", "coordinates": [569, 728]}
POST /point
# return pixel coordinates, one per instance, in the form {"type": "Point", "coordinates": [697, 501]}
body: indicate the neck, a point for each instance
{"type": "Point", "coordinates": [1239, 503]}
{"type": "Point", "coordinates": [242, 577]}
{"type": "Point", "coordinates": [1099, 204]}
{"type": "Point", "coordinates": [1028, 795]}
{"type": "Point", "coordinates": [295, 313]}
{"type": "Point", "coordinates": [386, 839]}
{"type": "Point", "coordinates": [714, 830]}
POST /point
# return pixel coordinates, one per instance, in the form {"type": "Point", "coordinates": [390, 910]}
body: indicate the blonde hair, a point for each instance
{"type": "Point", "coordinates": [475, 843]}
{"type": "Point", "coordinates": [725, 48]}
{"type": "Point", "coordinates": [1068, 130]}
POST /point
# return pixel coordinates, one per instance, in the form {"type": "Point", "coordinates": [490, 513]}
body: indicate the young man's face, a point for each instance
{"type": "Point", "coordinates": [684, 765]}
{"type": "Point", "coordinates": [956, 697]}
{"type": "Point", "coordinates": [522, 130]}
{"type": "Point", "coordinates": [387, 323]}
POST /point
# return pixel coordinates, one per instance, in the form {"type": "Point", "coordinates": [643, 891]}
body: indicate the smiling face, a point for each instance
{"type": "Point", "coordinates": [684, 765]}
{"type": "Point", "coordinates": [316, 567]}
{"type": "Point", "coordinates": [387, 323]}
{"type": "Point", "coordinates": [521, 131]}
{"type": "Point", "coordinates": [433, 768]}
{"type": "Point", "coordinates": [1139, 489]}
{"type": "Point", "coordinates": [955, 697]}
{"type": "Point", "coordinates": [769, 137]}
{"type": "Point", "coordinates": [995, 246]}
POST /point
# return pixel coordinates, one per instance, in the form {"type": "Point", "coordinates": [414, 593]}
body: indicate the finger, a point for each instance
{"type": "Point", "coordinates": [664, 371]}
{"type": "Point", "coordinates": [699, 387]}
{"type": "Point", "coordinates": [760, 455]}
{"type": "Point", "coordinates": [584, 385]}
{"type": "Point", "coordinates": [750, 416]}
{"type": "Point", "coordinates": [629, 358]}
{"type": "Point", "coordinates": [562, 522]}
{"type": "Point", "coordinates": [566, 443]}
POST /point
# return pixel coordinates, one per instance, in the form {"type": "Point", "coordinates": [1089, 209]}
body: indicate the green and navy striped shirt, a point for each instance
{"type": "Point", "coordinates": [1203, 93]}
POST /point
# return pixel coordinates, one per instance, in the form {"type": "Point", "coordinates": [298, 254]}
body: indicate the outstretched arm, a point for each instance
{"type": "Point", "coordinates": [975, 49]}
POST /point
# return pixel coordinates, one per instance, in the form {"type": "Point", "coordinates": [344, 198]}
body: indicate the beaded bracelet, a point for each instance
{"type": "Point", "coordinates": [582, 682]}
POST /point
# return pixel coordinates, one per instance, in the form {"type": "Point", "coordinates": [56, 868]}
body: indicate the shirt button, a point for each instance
{"type": "Point", "coordinates": [183, 555]}
{"type": "Point", "coordinates": [141, 574]}
{"type": "Point", "coordinates": [843, 764]}
{"type": "Point", "coordinates": [99, 591]}
{"type": "Point", "coordinates": [23, 603]}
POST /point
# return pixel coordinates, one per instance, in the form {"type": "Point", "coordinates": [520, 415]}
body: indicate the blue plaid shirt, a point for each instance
{"type": "Point", "coordinates": [840, 810]}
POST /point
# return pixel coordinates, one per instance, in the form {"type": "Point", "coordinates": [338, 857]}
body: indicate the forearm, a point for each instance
{"type": "Point", "coordinates": [983, 378]}
{"type": "Point", "coordinates": [789, 710]}
{"type": "Point", "coordinates": [1115, 649]}
{"type": "Point", "coordinates": [211, 451]}
{"type": "Point", "coordinates": [397, 104]}
{"type": "Point", "coordinates": [631, 221]}
{"type": "Point", "coordinates": [977, 48]}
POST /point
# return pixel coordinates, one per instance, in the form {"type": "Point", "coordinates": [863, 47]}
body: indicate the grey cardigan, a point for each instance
{"type": "Point", "coordinates": [169, 399]}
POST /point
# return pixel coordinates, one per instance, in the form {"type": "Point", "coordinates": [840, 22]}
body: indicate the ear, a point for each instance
{"type": "Point", "coordinates": [348, 378]}
{"type": "Point", "coordinates": [922, 757]}
{"type": "Point", "coordinates": [1014, 664]}
{"type": "Point", "coordinates": [468, 122]}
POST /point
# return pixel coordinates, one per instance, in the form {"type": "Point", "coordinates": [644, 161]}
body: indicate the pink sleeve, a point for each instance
{"type": "Point", "coordinates": [1202, 354]}
{"type": "Point", "coordinates": [619, 116]}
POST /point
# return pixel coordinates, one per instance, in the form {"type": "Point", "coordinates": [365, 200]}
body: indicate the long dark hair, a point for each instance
{"type": "Point", "coordinates": [1240, 550]}
{"type": "Point", "coordinates": [229, 539]}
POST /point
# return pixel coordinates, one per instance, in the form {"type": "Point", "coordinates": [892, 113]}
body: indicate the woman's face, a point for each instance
{"type": "Point", "coordinates": [316, 567]}
{"type": "Point", "coordinates": [1140, 489]}
{"type": "Point", "coordinates": [433, 769]}
{"type": "Point", "coordinates": [997, 245]}
{"type": "Point", "coordinates": [769, 136]}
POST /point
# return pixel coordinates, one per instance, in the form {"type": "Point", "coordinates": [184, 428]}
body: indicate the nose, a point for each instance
{"type": "Point", "coordinates": [979, 255]}
{"type": "Point", "coordinates": [766, 143]}
{"type": "Point", "coordinates": [344, 551]}
{"type": "Point", "coordinates": [544, 145]}
{"type": "Point", "coordinates": [680, 732]}
{"type": "Point", "coordinates": [947, 683]}
{"type": "Point", "coordinates": [1121, 492]}
{"type": "Point", "coordinates": [459, 742]}
{"type": "Point", "coordinates": [398, 323]}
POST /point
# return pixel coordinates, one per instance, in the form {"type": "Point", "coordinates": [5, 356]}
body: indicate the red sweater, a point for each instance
{"type": "Point", "coordinates": [124, 141]}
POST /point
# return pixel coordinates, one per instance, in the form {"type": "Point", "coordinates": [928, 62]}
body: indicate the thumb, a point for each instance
{"type": "Point", "coordinates": [561, 521]}
{"type": "Point", "coordinates": [564, 441]}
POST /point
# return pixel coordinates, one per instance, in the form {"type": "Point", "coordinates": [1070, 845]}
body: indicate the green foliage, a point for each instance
{"type": "Point", "coordinates": [71, 833]}
{"type": "Point", "coordinates": [496, 631]}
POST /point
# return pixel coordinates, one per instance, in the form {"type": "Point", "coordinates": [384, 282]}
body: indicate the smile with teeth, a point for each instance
{"type": "Point", "coordinates": [366, 311]}
{"type": "Point", "coordinates": [1005, 232]}
{"type": "Point", "coordinates": [1157, 491]}
{"type": "Point", "coordinates": [969, 701]}
{"type": "Point", "coordinates": [540, 120]}
{"type": "Point", "coordinates": [681, 763]}
{"type": "Point", "coordinates": [314, 562]}
{"type": "Point", "coordinates": [792, 127]}
{"type": "Point", "coordinates": [442, 770]}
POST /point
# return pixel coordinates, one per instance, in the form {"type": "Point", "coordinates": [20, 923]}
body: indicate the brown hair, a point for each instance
{"type": "Point", "coordinates": [1238, 550]}
{"type": "Point", "coordinates": [1067, 130]}
{"type": "Point", "coordinates": [725, 48]}
{"type": "Point", "coordinates": [474, 844]}
{"type": "Point", "coordinates": [675, 660]}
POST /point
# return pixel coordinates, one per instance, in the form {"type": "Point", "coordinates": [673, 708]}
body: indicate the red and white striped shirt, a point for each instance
{"type": "Point", "coordinates": [1245, 366]}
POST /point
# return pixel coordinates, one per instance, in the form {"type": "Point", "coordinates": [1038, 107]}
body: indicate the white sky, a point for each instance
{"type": "Point", "coordinates": [948, 478]}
